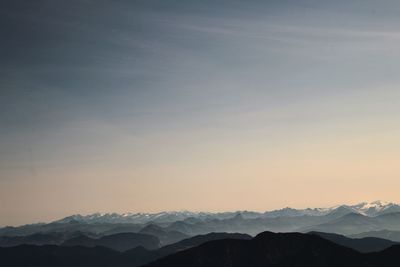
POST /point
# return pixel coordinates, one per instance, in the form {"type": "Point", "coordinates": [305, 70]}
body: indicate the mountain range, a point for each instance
{"type": "Point", "coordinates": [366, 234]}
{"type": "Point", "coordinates": [350, 220]}
{"type": "Point", "coordinates": [374, 208]}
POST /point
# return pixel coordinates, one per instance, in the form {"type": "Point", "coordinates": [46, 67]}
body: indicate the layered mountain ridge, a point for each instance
{"type": "Point", "coordinates": [219, 249]}
{"type": "Point", "coordinates": [365, 234]}
{"type": "Point", "coordinates": [380, 219]}
{"type": "Point", "coordinates": [370, 209]}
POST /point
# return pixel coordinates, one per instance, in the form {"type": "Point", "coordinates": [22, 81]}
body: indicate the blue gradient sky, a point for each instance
{"type": "Point", "coordinates": [202, 105]}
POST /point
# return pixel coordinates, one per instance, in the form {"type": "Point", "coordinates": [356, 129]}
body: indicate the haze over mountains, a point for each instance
{"type": "Point", "coordinates": [374, 208]}
{"type": "Point", "coordinates": [171, 227]}
{"type": "Point", "coordinates": [379, 218]}
{"type": "Point", "coordinates": [137, 239]}
{"type": "Point", "coordinates": [199, 133]}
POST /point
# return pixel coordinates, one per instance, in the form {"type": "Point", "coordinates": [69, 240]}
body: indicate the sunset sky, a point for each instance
{"type": "Point", "coordinates": [213, 105]}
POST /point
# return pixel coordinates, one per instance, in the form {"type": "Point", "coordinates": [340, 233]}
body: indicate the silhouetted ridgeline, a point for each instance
{"type": "Point", "coordinates": [86, 255]}
{"type": "Point", "coordinates": [234, 250]}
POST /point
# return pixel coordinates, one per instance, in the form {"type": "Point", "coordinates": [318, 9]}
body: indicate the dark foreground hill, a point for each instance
{"type": "Point", "coordinates": [90, 255]}
{"type": "Point", "coordinates": [51, 255]}
{"type": "Point", "coordinates": [33, 239]}
{"type": "Point", "coordinates": [266, 249]}
{"type": "Point", "coordinates": [278, 250]}
{"type": "Point", "coordinates": [145, 256]}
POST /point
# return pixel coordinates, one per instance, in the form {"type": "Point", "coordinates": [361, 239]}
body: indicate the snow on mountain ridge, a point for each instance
{"type": "Point", "coordinates": [374, 208]}
{"type": "Point", "coordinates": [376, 204]}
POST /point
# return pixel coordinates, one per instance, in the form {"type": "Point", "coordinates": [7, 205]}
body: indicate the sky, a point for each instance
{"type": "Point", "coordinates": [212, 105]}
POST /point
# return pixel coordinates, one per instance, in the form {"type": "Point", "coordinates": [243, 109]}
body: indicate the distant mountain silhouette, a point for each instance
{"type": "Point", "coordinates": [340, 212]}
{"type": "Point", "coordinates": [347, 224]}
{"type": "Point", "coordinates": [70, 227]}
{"type": "Point", "coordinates": [388, 221]}
{"type": "Point", "coordinates": [354, 223]}
{"type": "Point", "coordinates": [385, 234]}
{"type": "Point", "coordinates": [119, 242]}
{"type": "Point", "coordinates": [50, 238]}
{"type": "Point", "coordinates": [166, 237]}
{"type": "Point", "coordinates": [34, 239]}
{"type": "Point", "coordinates": [366, 244]}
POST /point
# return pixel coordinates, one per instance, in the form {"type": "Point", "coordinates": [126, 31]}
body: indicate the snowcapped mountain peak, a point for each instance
{"type": "Point", "coordinates": [377, 204]}
{"type": "Point", "coordinates": [375, 208]}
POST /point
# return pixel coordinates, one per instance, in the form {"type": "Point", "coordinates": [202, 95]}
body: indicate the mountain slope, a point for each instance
{"type": "Point", "coordinates": [366, 244]}
{"type": "Point", "coordinates": [385, 234]}
{"type": "Point", "coordinates": [119, 242]}
{"type": "Point", "coordinates": [34, 239]}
